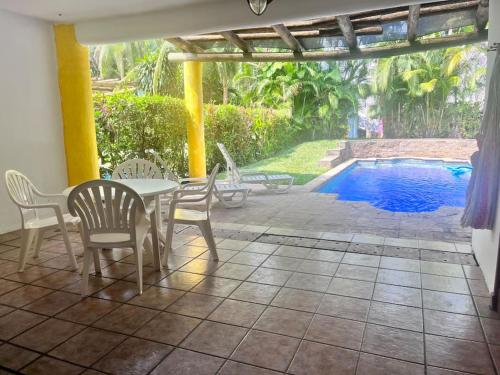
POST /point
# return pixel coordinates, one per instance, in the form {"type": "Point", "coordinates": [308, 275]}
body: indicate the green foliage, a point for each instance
{"type": "Point", "coordinates": [129, 125]}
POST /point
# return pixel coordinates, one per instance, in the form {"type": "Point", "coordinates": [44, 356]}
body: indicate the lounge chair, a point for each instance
{"type": "Point", "coordinates": [279, 183]}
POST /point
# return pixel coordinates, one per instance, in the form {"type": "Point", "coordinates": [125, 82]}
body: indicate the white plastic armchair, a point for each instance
{"type": "Point", "coordinates": [112, 216]}
{"type": "Point", "coordinates": [31, 202]}
{"type": "Point", "coordinates": [137, 168]}
{"type": "Point", "coordinates": [201, 195]}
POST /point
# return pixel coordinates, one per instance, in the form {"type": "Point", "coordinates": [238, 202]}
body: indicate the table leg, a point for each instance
{"type": "Point", "coordinates": [159, 224]}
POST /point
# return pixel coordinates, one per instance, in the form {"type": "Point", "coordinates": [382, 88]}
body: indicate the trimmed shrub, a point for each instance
{"type": "Point", "coordinates": [127, 125]}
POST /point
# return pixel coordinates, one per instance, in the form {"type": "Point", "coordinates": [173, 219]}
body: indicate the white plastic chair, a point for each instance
{"type": "Point", "coordinates": [279, 183]}
{"type": "Point", "coordinates": [201, 218]}
{"type": "Point", "coordinates": [30, 202]}
{"type": "Point", "coordinates": [137, 168]}
{"type": "Point", "coordinates": [112, 216]}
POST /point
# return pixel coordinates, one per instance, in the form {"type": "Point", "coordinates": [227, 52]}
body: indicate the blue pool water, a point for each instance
{"type": "Point", "coordinates": [402, 185]}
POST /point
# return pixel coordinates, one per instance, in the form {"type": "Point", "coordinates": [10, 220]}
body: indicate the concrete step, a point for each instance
{"type": "Point", "coordinates": [330, 161]}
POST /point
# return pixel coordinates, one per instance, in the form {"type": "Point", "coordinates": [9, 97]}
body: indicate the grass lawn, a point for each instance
{"type": "Point", "coordinates": [300, 161]}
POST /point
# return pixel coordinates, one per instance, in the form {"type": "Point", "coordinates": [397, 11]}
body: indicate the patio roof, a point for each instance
{"type": "Point", "coordinates": [410, 28]}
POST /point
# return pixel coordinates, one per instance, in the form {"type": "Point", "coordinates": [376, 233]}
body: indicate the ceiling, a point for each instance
{"type": "Point", "coordinates": [79, 10]}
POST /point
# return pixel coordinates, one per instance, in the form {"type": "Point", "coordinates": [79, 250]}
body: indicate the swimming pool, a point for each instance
{"type": "Point", "coordinates": [402, 185]}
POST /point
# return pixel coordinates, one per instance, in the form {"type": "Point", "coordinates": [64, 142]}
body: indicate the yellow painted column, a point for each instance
{"type": "Point", "coordinates": [193, 90]}
{"type": "Point", "coordinates": [75, 89]}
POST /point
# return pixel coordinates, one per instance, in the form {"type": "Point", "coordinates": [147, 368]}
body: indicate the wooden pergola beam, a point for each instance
{"type": "Point", "coordinates": [413, 16]}
{"type": "Point", "coordinates": [234, 39]}
{"type": "Point", "coordinates": [288, 38]}
{"type": "Point", "coordinates": [345, 25]}
{"type": "Point", "coordinates": [185, 45]}
{"type": "Point", "coordinates": [482, 15]}
{"type": "Point", "coordinates": [342, 54]}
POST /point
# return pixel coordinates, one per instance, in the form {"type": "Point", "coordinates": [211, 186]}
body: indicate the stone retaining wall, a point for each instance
{"type": "Point", "coordinates": [445, 148]}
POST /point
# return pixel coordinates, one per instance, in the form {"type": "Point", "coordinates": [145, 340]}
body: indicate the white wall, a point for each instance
{"type": "Point", "coordinates": [485, 242]}
{"type": "Point", "coordinates": [31, 138]}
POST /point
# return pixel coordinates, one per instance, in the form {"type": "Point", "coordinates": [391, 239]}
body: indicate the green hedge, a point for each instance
{"type": "Point", "coordinates": [127, 125]}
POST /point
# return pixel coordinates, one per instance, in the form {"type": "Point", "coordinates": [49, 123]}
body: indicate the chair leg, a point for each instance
{"type": "Point", "coordinates": [138, 264]}
{"type": "Point", "coordinates": [206, 230]}
{"type": "Point", "coordinates": [38, 243]}
{"type": "Point", "coordinates": [67, 242]}
{"type": "Point", "coordinates": [97, 262]}
{"type": "Point", "coordinates": [156, 243]}
{"type": "Point", "coordinates": [168, 241]}
{"type": "Point", "coordinates": [86, 270]}
{"type": "Point", "coordinates": [27, 239]}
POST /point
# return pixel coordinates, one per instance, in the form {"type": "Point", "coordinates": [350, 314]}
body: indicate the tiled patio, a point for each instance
{"type": "Point", "coordinates": [276, 302]}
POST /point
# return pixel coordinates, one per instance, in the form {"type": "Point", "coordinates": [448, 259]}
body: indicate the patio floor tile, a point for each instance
{"type": "Point", "coordinates": [196, 305]}
{"type": "Point", "coordinates": [186, 362]}
{"type": "Point", "coordinates": [270, 276]}
{"type": "Point", "coordinates": [156, 298]}
{"type": "Point", "coordinates": [325, 255]}
{"type": "Point", "coordinates": [239, 313]}
{"type": "Point", "coordinates": [88, 310]}
{"type": "Point", "coordinates": [361, 259]}
{"type": "Point", "coordinates": [445, 284]}
{"type": "Point", "coordinates": [253, 292]}
{"type": "Point", "coordinates": [397, 316]}
{"type": "Point", "coordinates": [16, 322]}
{"type": "Point", "coordinates": [453, 325]}
{"type": "Point", "coordinates": [234, 271]}
{"type": "Point", "coordinates": [293, 251]}
{"type": "Point", "coordinates": [351, 288]}
{"type": "Point", "coordinates": [14, 357]}
{"type": "Point", "coordinates": [181, 280]}
{"type": "Point", "coordinates": [126, 319]}
{"type": "Point", "coordinates": [24, 295]}
{"type": "Point", "coordinates": [370, 364]}
{"type": "Point", "coordinates": [236, 368]}
{"type": "Point", "coordinates": [303, 300]}
{"type": "Point", "coordinates": [267, 350]}
{"type": "Point", "coordinates": [442, 269]}
{"type": "Point", "coordinates": [450, 302]}
{"type": "Point", "coordinates": [318, 267]}
{"type": "Point", "coordinates": [401, 278]}
{"type": "Point", "coordinates": [321, 359]}
{"type": "Point", "coordinates": [248, 258]}
{"type": "Point", "coordinates": [120, 291]}
{"type": "Point", "coordinates": [214, 338]}
{"type": "Point", "coordinates": [349, 271]}
{"type": "Point", "coordinates": [400, 264]}
{"type": "Point", "coordinates": [284, 321]}
{"type": "Point", "coordinates": [261, 248]}
{"type": "Point", "coordinates": [336, 331]}
{"type": "Point", "coordinates": [52, 366]}
{"type": "Point", "coordinates": [282, 263]}
{"type": "Point", "coordinates": [344, 307]}
{"type": "Point", "coordinates": [168, 328]}
{"type": "Point", "coordinates": [395, 343]}
{"type": "Point", "coordinates": [216, 286]}
{"type": "Point", "coordinates": [308, 281]}
{"type": "Point", "coordinates": [53, 303]}
{"type": "Point", "coordinates": [401, 295]}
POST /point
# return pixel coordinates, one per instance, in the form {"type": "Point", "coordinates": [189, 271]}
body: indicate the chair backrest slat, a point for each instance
{"type": "Point", "coordinates": [233, 172]}
{"type": "Point", "coordinates": [21, 191]}
{"type": "Point", "coordinates": [137, 168]}
{"type": "Point", "coordinates": [105, 207]}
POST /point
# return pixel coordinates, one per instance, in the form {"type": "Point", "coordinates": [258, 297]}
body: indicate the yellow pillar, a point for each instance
{"type": "Point", "coordinates": [193, 90]}
{"type": "Point", "coordinates": [77, 106]}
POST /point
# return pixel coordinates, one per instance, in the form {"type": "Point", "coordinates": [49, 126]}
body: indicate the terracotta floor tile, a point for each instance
{"type": "Point", "coordinates": [293, 251]}
{"type": "Point", "coordinates": [483, 307]}
{"type": "Point", "coordinates": [234, 271]}
{"type": "Point", "coordinates": [270, 276]}
{"type": "Point", "coordinates": [266, 350]}
{"type": "Point", "coordinates": [344, 307]}
{"type": "Point", "coordinates": [442, 371]}
{"type": "Point", "coordinates": [233, 244]}
{"type": "Point", "coordinates": [395, 343]}
{"type": "Point", "coordinates": [445, 284]}
{"type": "Point", "coordinates": [216, 286]}
{"type": "Point", "coordinates": [478, 288]}
{"type": "Point", "coordinates": [450, 302]}
{"type": "Point", "coordinates": [370, 364]}
{"type": "Point", "coordinates": [51, 366]}
{"type": "Point", "coordinates": [491, 330]}
{"type": "Point", "coordinates": [397, 316]}
{"type": "Point", "coordinates": [88, 310]}
{"type": "Point", "coordinates": [133, 357]}
{"type": "Point", "coordinates": [118, 270]}
{"type": "Point", "coordinates": [186, 362]}
{"type": "Point", "coordinates": [351, 288]}
{"type": "Point", "coordinates": [16, 322]}
{"type": "Point", "coordinates": [253, 292]}
{"type": "Point", "coordinates": [261, 248]}
{"type": "Point", "coordinates": [295, 299]}
{"type": "Point", "coordinates": [401, 278]}
{"type": "Point", "coordinates": [149, 275]}
{"type": "Point", "coordinates": [189, 251]}
{"type": "Point", "coordinates": [53, 303]}
{"type": "Point", "coordinates": [458, 355]}
{"type": "Point", "coordinates": [157, 298]}
{"type": "Point", "coordinates": [248, 258]}
{"type": "Point", "coordinates": [14, 357]}
{"type": "Point", "coordinates": [239, 313]}
{"type": "Point", "coordinates": [398, 294]}
{"type": "Point", "coordinates": [168, 328]}
{"type": "Point", "coordinates": [495, 355]}
{"type": "Point", "coordinates": [197, 305]}
{"type": "Point", "coordinates": [47, 335]}
{"type": "Point", "coordinates": [336, 331]}
{"type": "Point", "coordinates": [236, 368]}
{"type": "Point", "coordinates": [7, 286]}
{"type": "Point", "coordinates": [318, 267]}
{"type": "Point", "coordinates": [31, 274]}
{"type": "Point", "coordinates": [326, 255]}
{"type": "Point", "coordinates": [177, 262]}
{"type": "Point", "coordinates": [58, 280]}
{"type": "Point", "coordinates": [350, 271]}
{"type": "Point", "coordinates": [399, 264]}
{"type": "Point", "coordinates": [96, 283]}
{"type": "Point", "coordinates": [282, 263]}
{"type": "Point", "coordinates": [284, 322]}
{"type": "Point", "coordinates": [202, 266]}
{"type": "Point", "coordinates": [126, 319]}
{"type": "Point", "coordinates": [88, 346]}
{"type": "Point", "coordinates": [214, 338]}
{"type": "Point", "coordinates": [181, 280]}
{"type": "Point", "coordinates": [121, 291]}
{"type": "Point", "coordinates": [453, 325]}
{"type": "Point", "coordinates": [4, 310]}
{"type": "Point", "coordinates": [24, 295]}
{"type": "Point", "coordinates": [321, 359]}
{"type": "Point", "coordinates": [473, 272]}
{"type": "Point", "coordinates": [307, 281]}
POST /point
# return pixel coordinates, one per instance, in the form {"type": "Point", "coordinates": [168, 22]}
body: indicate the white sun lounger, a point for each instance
{"type": "Point", "coordinates": [279, 183]}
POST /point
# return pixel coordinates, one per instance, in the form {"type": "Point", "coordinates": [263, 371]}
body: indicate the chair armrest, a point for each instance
{"type": "Point", "coordinates": [194, 186]}
{"type": "Point", "coordinates": [179, 197]}
{"type": "Point", "coordinates": [193, 180]}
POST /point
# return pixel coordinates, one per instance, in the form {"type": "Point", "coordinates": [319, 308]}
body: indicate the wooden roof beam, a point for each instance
{"type": "Point", "coordinates": [345, 25]}
{"type": "Point", "coordinates": [185, 45]}
{"type": "Point", "coordinates": [482, 15]}
{"type": "Point", "coordinates": [413, 16]}
{"type": "Point", "coordinates": [288, 38]}
{"type": "Point", "coordinates": [235, 40]}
